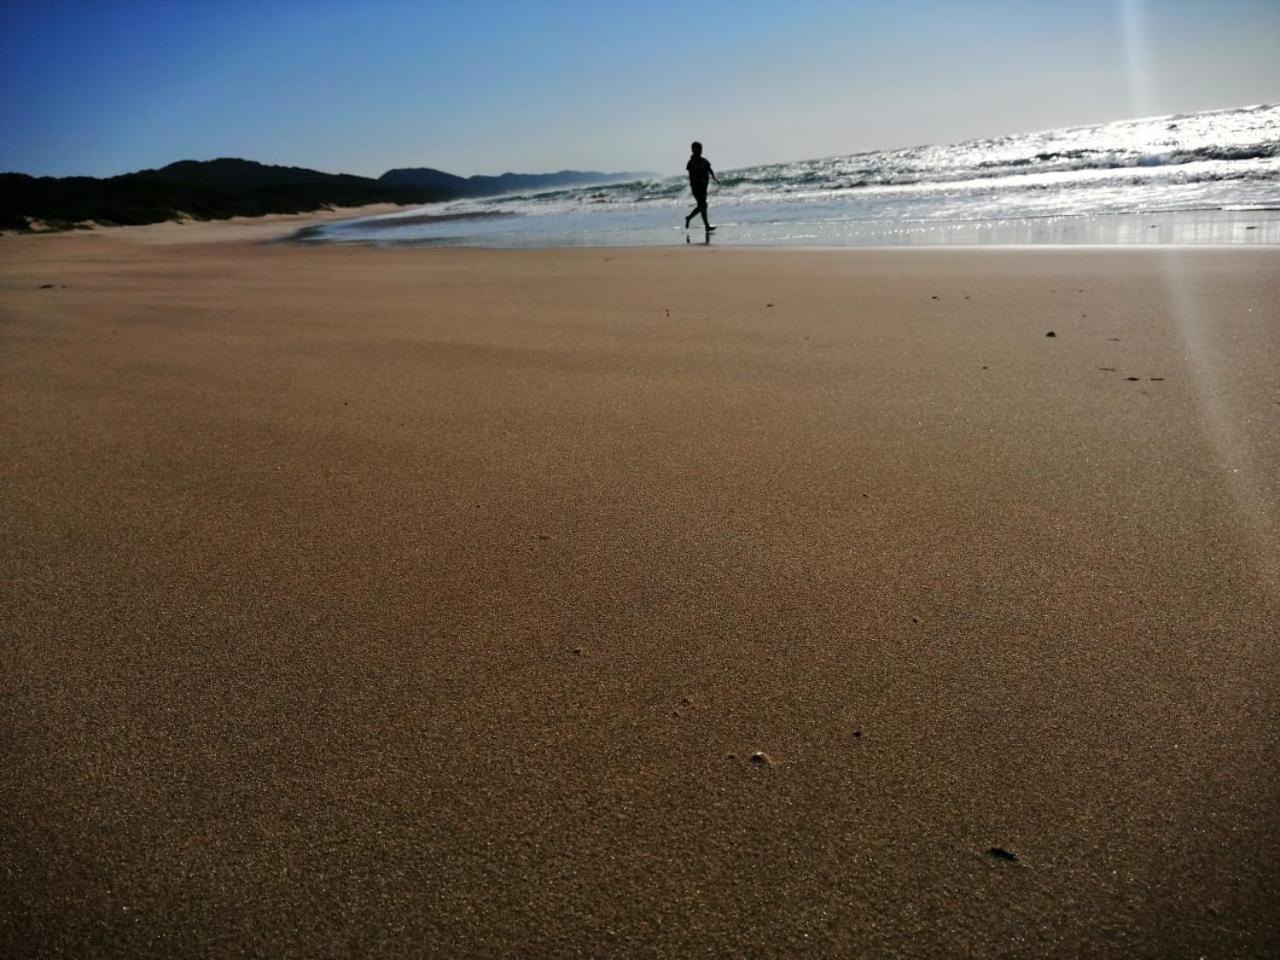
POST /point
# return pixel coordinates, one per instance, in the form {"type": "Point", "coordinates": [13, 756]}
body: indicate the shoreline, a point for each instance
{"type": "Point", "coordinates": [304, 230]}
{"type": "Point", "coordinates": [1255, 227]}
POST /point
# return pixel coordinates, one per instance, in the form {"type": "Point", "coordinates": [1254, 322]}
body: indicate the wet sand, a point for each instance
{"type": "Point", "coordinates": [434, 603]}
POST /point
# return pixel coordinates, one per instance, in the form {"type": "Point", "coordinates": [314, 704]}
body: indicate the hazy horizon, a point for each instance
{"type": "Point", "coordinates": [888, 148]}
{"type": "Point", "coordinates": [504, 89]}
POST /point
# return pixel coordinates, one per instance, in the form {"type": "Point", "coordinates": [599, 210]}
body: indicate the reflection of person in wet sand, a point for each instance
{"type": "Point", "coordinates": [700, 173]}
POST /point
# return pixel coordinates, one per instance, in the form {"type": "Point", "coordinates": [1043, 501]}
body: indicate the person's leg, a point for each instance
{"type": "Point", "coordinates": [692, 213]}
{"type": "Point", "coordinates": [702, 209]}
{"type": "Point", "coordinates": [701, 200]}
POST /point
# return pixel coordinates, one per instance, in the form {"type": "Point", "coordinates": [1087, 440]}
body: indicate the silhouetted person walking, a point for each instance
{"type": "Point", "coordinates": [700, 173]}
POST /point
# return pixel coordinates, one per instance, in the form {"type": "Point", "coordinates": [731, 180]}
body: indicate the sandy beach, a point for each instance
{"type": "Point", "coordinates": [437, 602]}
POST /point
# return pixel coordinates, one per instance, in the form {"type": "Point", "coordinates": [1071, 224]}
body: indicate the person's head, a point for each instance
{"type": "Point", "coordinates": [696, 147]}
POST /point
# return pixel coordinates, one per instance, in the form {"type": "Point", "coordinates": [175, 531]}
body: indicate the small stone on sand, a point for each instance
{"type": "Point", "coordinates": [1000, 853]}
{"type": "Point", "coordinates": [1050, 334]}
{"type": "Point", "coordinates": [760, 759]}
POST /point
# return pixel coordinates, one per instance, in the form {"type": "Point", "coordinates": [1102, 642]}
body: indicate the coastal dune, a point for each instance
{"type": "Point", "coordinates": [637, 602]}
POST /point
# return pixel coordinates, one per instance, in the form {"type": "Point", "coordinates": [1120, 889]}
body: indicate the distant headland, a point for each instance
{"type": "Point", "coordinates": [230, 187]}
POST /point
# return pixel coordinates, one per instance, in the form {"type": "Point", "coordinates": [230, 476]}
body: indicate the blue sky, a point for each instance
{"type": "Point", "coordinates": [102, 88]}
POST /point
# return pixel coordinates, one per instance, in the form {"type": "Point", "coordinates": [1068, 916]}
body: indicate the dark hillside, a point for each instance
{"type": "Point", "coordinates": [207, 190]}
{"type": "Point", "coordinates": [483, 186]}
{"type": "Point", "coordinates": [427, 177]}
{"type": "Point", "coordinates": [229, 187]}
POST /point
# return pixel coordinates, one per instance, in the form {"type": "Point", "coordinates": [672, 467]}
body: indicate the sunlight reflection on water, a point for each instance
{"type": "Point", "coordinates": [756, 227]}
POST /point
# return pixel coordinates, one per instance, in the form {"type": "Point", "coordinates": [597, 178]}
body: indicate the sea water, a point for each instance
{"type": "Point", "coordinates": [1211, 177]}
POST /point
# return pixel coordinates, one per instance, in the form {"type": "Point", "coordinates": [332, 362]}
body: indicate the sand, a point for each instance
{"type": "Point", "coordinates": [186, 232]}
{"type": "Point", "coordinates": [432, 603]}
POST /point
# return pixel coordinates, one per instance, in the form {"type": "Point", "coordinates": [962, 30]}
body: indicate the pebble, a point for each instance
{"type": "Point", "coordinates": [1000, 853]}
{"type": "Point", "coordinates": [1050, 334]}
{"type": "Point", "coordinates": [760, 759]}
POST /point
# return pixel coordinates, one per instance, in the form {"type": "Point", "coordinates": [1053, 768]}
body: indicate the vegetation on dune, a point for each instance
{"type": "Point", "coordinates": [204, 190]}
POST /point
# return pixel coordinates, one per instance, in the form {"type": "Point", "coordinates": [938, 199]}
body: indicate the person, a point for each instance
{"type": "Point", "coordinates": [700, 173]}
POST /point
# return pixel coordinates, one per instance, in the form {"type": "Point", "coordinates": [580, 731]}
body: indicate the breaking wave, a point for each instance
{"type": "Point", "coordinates": [1212, 160]}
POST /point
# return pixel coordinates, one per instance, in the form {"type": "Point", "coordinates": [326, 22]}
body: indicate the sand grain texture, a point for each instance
{"type": "Point", "coordinates": [433, 602]}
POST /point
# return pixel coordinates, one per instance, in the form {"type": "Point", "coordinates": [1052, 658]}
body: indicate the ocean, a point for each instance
{"type": "Point", "coordinates": [1211, 177]}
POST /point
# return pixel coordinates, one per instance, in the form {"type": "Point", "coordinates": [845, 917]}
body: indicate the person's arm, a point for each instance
{"type": "Point", "coordinates": [712, 172]}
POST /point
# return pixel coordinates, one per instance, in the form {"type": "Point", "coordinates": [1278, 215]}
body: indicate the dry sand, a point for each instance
{"type": "Point", "coordinates": [185, 232]}
{"type": "Point", "coordinates": [430, 603]}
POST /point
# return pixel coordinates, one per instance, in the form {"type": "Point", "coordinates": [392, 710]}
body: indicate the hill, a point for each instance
{"type": "Point", "coordinates": [428, 178]}
{"type": "Point", "coordinates": [206, 190]}
{"type": "Point", "coordinates": [229, 187]}
{"type": "Point", "coordinates": [484, 186]}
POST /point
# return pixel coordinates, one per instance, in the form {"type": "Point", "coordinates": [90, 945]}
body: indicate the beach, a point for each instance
{"type": "Point", "coordinates": [663, 602]}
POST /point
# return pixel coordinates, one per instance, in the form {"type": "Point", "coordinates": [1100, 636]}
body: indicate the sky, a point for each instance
{"type": "Point", "coordinates": [101, 88]}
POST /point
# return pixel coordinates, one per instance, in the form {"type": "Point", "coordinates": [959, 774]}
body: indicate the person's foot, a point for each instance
{"type": "Point", "coordinates": [710, 228]}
